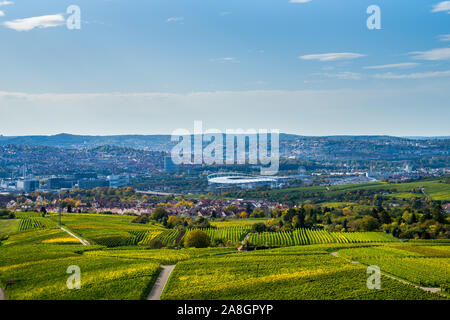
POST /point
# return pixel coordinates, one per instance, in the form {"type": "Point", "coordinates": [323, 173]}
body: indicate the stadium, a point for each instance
{"type": "Point", "coordinates": [232, 180]}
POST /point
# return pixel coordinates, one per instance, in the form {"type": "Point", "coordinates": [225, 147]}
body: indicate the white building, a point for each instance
{"type": "Point", "coordinates": [118, 181]}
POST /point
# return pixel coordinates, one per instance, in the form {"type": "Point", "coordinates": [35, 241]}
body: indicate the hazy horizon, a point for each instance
{"type": "Point", "coordinates": [169, 134]}
{"type": "Point", "coordinates": [150, 67]}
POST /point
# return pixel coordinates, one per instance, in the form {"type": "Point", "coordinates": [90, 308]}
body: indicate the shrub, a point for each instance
{"type": "Point", "coordinates": [141, 219]}
{"type": "Point", "coordinates": [155, 244]}
{"type": "Point", "coordinates": [197, 239]}
{"type": "Point", "coordinates": [6, 214]}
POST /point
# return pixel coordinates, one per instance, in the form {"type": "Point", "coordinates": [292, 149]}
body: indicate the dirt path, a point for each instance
{"type": "Point", "coordinates": [160, 283]}
{"type": "Point", "coordinates": [241, 247]}
{"type": "Point", "coordinates": [83, 242]}
{"type": "Point", "coordinates": [246, 238]}
{"type": "Point", "coordinates": [2, 295]}
{"type": "Point", "coordinates": [433, 290]}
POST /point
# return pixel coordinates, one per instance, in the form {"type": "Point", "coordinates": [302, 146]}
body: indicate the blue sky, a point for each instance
{"type": "Point", "coordinates": [146, 67]}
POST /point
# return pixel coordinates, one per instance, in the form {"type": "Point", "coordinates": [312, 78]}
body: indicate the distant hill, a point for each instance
{"type": "Point", "coordinates": [306, 147]}
{"type": "Point", "coordinates": [428, 138]}
{"type": "Point", "coordinates": [68, 141]}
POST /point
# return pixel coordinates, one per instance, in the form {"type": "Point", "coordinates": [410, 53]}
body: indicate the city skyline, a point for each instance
{"type": "Point", "coordinates": [304, 67]}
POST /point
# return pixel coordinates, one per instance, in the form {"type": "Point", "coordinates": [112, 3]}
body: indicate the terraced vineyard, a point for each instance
{"type": "Point", "coordinates": [307, 236]}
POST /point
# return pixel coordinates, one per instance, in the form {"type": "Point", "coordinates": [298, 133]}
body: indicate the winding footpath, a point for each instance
{"type": "Point", "coordinates": [160, 283]}
{"type": "Point", "coordinates": [83, 242]}
{"type": "Point", "coordinates": [433, 290]}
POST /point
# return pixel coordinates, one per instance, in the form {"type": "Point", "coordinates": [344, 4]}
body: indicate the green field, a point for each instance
{"type": "Point", "coordinates": [299, 273]}
{"type": "Point", "coordinates": [232, 234]}
{"type": "Point", "coordinates": [433, 188]}
{"type": "Point", "coordinates": [107, 230]}
{"type": "Point", "coordinates": [237, 222]}
{"type": "Point", "coordinates": [306, 237]}
{"type": "Point", "coordinates": [9, 226]}
{"type": "Point", "coordinates": [428, 266]}
{"type": "Point", "coordinates": [35, 257]}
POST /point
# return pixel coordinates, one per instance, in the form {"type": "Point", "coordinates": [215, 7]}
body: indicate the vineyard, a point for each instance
{"type": "Point", "coordinates": [39, 256]}
{"type": "Point", "coordinates": [233, 234]}
{"type": "Point", "coordinates": [422, 265]}
{"type": "Point", "coordinates": [307, 237]}
{"type": "Point", "coordinates": [132, 238]}
{"type": "Point", "coordinates": [34, 223]}
{"type": "Point", "coordinates": [295, 273]}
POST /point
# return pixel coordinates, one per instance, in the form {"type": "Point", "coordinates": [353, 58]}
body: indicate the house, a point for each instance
{"type": "Point", "coordinates": [446, 207]}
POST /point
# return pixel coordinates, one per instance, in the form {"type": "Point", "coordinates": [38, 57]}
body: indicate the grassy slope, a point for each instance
{"type": "Point", "coordinates": [422, 265]}
{"type": "Point", "coordinates": [307, 272]}
{"type": "Point", "coordinates": [39, 269]}
{"type": "Point", "coordinates": [435, 189]}
{"type": "Point", "coordinates": [289, 273]}
{"type": "Point", "coordinates": [97, 228]}
{"type": "Point", "coordinates": [8, 226]}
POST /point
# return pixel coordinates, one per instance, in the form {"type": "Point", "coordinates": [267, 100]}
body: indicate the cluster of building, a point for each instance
{"type": "Point", "coordinates": [201, 208]}
{"type": "Point", "coordinates": [57, 183]}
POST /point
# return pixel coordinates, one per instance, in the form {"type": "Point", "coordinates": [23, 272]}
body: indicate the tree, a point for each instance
{"type": "Point", "coordinates": [243, 215]}
{"type": "Point", "coordinates": [173, 221]}
{"type": "Point", "coordinates": [369, 223]}
{"type": "Point", "coordinates": [384, 216]}
{"type": "Point", "coordinates": [43, 211]}
{"type": "Point", "coordinates": [438, 214]}
{"type": "Point", "coordinates": [259, 227]}
{"type": "Point", "coordinates": [200, 222]}
{"type": "Point", "coordinates": [258, 213]}
{"type": "Point", "coordinates": [159, 214]}
{"type": "Point", "coordinates": [197, 239]}
{"type": "Point", "coordinates": [296, 223]}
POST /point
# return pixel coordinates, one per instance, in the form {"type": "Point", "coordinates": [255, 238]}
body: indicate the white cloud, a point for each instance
{"type": "Point", "coordinates": [28, 24]}
{"type": "Point", "coordinates": [225, 13]}
{"type": "Point", "coordinates": [175, 19]}
{"type": "Point", "coordinates": [299, 1]}
{"type": "Point", "coordinates": [442, 6]}
{"type": "Point", "coordinates": [421, 75]}
{"type": "Point", "coordinates": [432, 55]}
{"type": "Point", "coordinates": [2, 14]}
{"type": "Point", "coordinates": [346, 75]}
{"type": "Point", "coordinates": [332, 56]}
{"type": "Point", "coordinates": [396, 65]}
{"type": "Point", "coordinates": [5, 3]}
{"type": "Point", "coordinates": [444, 37]}
{"type": "Point", "coordinates": [225, 60]}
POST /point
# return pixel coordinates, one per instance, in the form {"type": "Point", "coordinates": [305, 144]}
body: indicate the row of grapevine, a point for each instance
{"type": "Point", "coordinates": [34, 223]}
{"type": "Point", "coordinates": [149, 236]}
{"type": "Point", "coordinates": [233, 234]}
{"type": "Point", "coordinates": [142, 237]}
{"type": "Point", "coordinates": [307, 236]}
{"type": "Point", "coordinates": [112, 241]}
{"type": "Point", "coordinates": [169, 237]}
